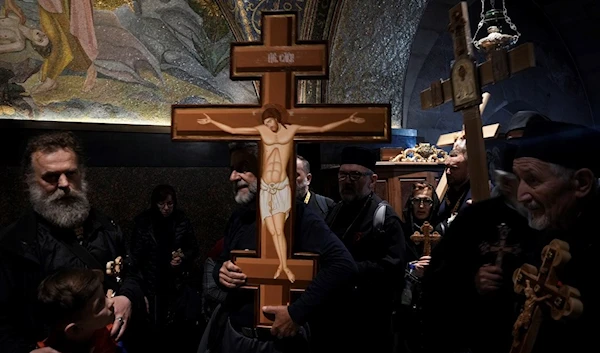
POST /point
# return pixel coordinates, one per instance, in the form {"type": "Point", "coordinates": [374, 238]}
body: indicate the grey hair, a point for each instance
{"type": "Point", "coordinates": [305, 163]}
{"type": "Point", "coordinates": [460, 147]}
{"type": "Point", "coordinates": [561, 172]}
{"type": "Point", "coordinates": [566, 174]}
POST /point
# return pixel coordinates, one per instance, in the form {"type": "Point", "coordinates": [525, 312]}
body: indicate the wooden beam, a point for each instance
{"type": "Point", "coordinates": [440, 92]}
{"type": "Point", "coordinates": [489, 131]}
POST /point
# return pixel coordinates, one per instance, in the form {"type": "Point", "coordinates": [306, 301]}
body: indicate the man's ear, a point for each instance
{"type": "Point", "coordinates": [308, 178]}
{"type": "Point", "coordinates": [374, 179]}
{"type": "Point", "coordinates": [584, 181]}
{"type": "Point", "coordinates": [71, 330]}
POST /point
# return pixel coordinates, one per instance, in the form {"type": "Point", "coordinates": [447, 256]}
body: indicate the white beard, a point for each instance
{"type": "Point", "coordinates": [61, 209]}
{"type": "Point", "coordinates": [539, 223]}
{"type": "Point", "coordinates": [244, 199]}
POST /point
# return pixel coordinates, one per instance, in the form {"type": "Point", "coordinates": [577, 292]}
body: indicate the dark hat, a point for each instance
{"type": "Point", "coordinates": [568, 145]}
{"type": "Point", "coordinates": [506, 156]}
{"type": "Point", "coordinates": [360, 156]}
{"type": "Point", "coordinates": [521, 119]}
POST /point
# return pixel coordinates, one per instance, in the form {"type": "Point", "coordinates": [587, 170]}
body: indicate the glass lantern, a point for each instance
{"type": "Point", "coordinates": [495, 31]}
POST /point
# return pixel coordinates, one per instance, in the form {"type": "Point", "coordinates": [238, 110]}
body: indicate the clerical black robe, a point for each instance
{"type": "Point", "coordinates": [457, 316]}
{"type": "Point", "coordinates": [379, 254]}
{"type": "Point", "coordinates": [578, 334]}
{"type": "Point", "coordinates": [454, 202]}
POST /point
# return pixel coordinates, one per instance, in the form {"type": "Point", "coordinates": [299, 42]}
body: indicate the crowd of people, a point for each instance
{"type": "Point", "coordinates": [71, 281]}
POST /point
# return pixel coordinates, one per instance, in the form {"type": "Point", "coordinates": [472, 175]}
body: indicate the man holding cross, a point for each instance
{"type": "Point", "coordinates": [277, 143]}
{"type": "Point", "coordinates": [458, 196]}
{"type": "Point", "coordinates": [336, 269]}
{"type": "Point", "coordinates": [478, 261]}
{"type": "Point", "coordinates": [560, 190]}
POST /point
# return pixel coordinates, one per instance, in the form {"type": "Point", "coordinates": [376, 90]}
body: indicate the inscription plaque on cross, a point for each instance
{"type": "Point", "coordinates": [426, 237]}
{"type": "Point", "coordinates": [278, 61]}
{"type": "Point", "coordinates": [464, 89]}
{"type": "Point", "coordinates": [543, 286]}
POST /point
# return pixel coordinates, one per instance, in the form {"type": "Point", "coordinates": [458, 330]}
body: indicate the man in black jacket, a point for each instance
{"type": "Point", "coordinates": [377, 246]}
{"type": "Point", "coordinates": [320, 204]}
{"type": "Point", "coordinates": [336, 269]}
{"type": "Point", "coordinates": [62, 230]}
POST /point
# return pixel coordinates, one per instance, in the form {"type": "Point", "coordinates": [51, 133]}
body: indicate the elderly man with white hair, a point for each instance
{"type": "Point", "coordinates": [557, 173]}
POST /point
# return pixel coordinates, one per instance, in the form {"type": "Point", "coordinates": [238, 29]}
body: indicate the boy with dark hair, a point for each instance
{"type": "Point", "coordinates": [78, 311]}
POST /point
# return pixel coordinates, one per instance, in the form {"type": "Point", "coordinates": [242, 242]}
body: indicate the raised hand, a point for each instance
{"type": "Point", "coordinates": [355, 119]}
{"type": "Point", "coordinates": [204, 121]}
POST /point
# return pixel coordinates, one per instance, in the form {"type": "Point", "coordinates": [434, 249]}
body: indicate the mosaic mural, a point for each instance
{"type": "Point", "coordinates": [113, 61]}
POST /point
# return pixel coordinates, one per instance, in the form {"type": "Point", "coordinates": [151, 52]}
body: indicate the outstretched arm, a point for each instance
{"type": "Point", "coordinates": [227, 128]}
{"type": "Point", "coordinates": [352, 119]}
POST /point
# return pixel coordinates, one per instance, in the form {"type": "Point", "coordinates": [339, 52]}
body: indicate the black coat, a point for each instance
{"type": "Point", "coordinates": [379, 254]}
{"type": "Point", "coordinates": [410, 226]}
{"type": "Point", "coordinates": [154, 239]}
{"type": "Point", "coordinates": [31, 249]}
{"type": "Point", "coordinates": [336, 268]}
{"type": "Point", "coordinates": [573, 334]}
{"type": "Point", "coordinates": [458, 317]}
{"type": "Point", "coordinates": [320, 204]}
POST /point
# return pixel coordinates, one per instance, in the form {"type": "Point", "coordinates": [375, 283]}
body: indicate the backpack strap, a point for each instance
{"type": "Point", "coordinates": [322, 203]}
{"type": "Point", "coordinates": [379, 216]}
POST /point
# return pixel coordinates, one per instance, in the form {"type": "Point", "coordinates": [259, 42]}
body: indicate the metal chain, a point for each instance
{"type": "Point", "coordinates": [482, 16]}
{"type": "Point", "coordinates": [510, 23]}
{"type": "Point", "coordinates": [506, 18]}
{"type": "Point", "coordinates": [480, 24]}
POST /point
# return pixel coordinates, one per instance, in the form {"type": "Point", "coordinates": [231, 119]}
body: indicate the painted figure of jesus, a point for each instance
{"type": "Point", "coordinates": [277, 143]}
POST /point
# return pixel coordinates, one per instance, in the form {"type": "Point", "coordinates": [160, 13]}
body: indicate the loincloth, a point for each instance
{"type": "Point", "coordinates": [275, 198]}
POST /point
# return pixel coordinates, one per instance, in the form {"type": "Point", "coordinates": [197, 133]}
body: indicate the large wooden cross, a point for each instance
{"type": "Point", "coordinates": [426, 237]}
{"type": "Point", "coordinates": [276, 123]}
{"type": "Point", "coordinates": [449, 139]}
{"type": "Point", "coordinates": [539, 287]}
{"type": "Point", "coordinates": [464, 89]}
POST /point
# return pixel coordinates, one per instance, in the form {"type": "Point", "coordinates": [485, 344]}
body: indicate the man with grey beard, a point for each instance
{"type": "Point", "coordinates": [231, 329]}
{"type": "Point", "coordinates": [61, 231]}
{"type": "Point", "coordinates": [378, 250]}
{"type": "Point", "coordinates": [468, 261]}
{"type": "Point", "coordinates": [470, 278]}
{"type": "Point", "coordinates": [557, 170]}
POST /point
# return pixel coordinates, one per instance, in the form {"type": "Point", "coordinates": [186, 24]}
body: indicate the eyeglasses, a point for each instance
{"type": "Point", "coordinates": [165, 204]}
{"type": "Point", "coordinates": [353, 176]}
{"type": "Point", "coordinates": [417, 201]}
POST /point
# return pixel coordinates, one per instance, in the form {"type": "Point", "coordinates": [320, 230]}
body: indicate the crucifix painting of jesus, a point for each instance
{"type": "Point", "coordinates": [277, 145]}
{"type": "Point", "coordinates": [275, 270]}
